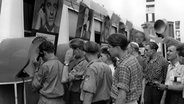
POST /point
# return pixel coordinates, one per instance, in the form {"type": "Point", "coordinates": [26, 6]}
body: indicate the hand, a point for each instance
{"type": "Point", "coordinates": [35, 64]}
{"type": "Point", "coordinates": [68, 55]}
{"type": "Point", "coordinates": [156, 83]}
{"type": "Point", "coordinates": [41, 20]}
{"type": "Point", "coordinates": [162, 101]}
{"type": "Point", "coordinates": [161, 86]}
{"type": "Point", "coordinates": [142, 100]}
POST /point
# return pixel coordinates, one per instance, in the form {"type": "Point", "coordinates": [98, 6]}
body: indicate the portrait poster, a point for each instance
{"type": "Point", "coordinates": [121, 27]}
{"type": "Point", "coordinates": [49, 36]}
{"type": "Point", "coordinates": [47, 15]}
{"type": "Point", "coordinates": [84, 22]}
{"type": "Point", "coordinates": [138, 37]}
{"type": "Point", "coordinates": [106, 29]}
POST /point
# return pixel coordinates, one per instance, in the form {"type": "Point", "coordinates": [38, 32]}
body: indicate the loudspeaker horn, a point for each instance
{"type": "Point", "coordinates": [160, 27]}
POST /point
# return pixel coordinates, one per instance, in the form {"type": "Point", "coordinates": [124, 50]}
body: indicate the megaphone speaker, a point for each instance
{"type": "Point", "coordinates": [160, 27]}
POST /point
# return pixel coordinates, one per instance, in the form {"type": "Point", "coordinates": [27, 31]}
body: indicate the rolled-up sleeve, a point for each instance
{"type": "Point", "coordinates": [89, 84]}
{"type": "Point", "coordinates": [124, 79]}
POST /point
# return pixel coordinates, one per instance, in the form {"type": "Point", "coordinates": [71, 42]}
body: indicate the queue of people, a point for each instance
{"type": "Point", "coordinates": [112, 74]}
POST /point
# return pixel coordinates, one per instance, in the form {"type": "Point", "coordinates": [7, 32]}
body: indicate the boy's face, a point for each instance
{"type": "Point", "coordinates": [171, 53]}
{"type": "Point", "coordinates": [51, 7]}
{"type": "Point", "coordinates": [139, 38]}
{"type": "Point", "coordinates": [148, 51]}
{"type": "Point", "coordinates": [113, 50]}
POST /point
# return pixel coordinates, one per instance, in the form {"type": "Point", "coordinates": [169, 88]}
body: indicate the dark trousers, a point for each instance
{"type": "Point", "coordinates": [75, 98]}
{"type": "Point", "coordinates": [174, 97]}
{"type": "Point", "coordinates": [152, 95]}
{"type": "Point", "coordinates": [101, 102]}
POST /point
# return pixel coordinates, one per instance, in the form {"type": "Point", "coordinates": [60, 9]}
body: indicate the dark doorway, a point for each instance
{"type": "Point", "coordinates": [97, 37]}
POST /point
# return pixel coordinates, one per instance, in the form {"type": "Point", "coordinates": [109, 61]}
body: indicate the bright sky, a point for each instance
{"type": "Point", "coordinates": [135, 11]}
{"type": "Point", "coordinates": [127, 9]}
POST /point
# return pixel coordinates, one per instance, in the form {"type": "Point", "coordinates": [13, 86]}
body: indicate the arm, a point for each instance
{"type": "Point", "coordinates": [176, 87]}
{"type": "Point", "coordinates": [78, 70]}
{"type": "Point", "coordinates": [38, 78]}
{"type": "Point", "coordinates": [123, 84]}
{"type": "Point", "coordinates": [89, 86]}
{"type": "Point", "coordinates": [121, 97]}
{"type": "Point", "coordinates": [164, 70]}
{"type": "Point", "coordinates": [143, 90]}
{"type": "Point", "coordinates": [40, 21]}
{"type": "Point", "coordinates": [87, 98]}
{"type": "Point", "coordinates": [162, 101]}
{"type": "Point", "coordinates": [171, 87]}
{"type": "Point", "coordinates": [68, 57]}
{"type": "Point", "coordinates": [65, 74]}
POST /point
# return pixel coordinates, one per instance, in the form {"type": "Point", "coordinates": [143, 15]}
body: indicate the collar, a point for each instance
{"type": "Point", "coordinates": [155, 57]}
{"type": "Point", "coordinates": [92, 61]}
{"type": "Point", "coordinates": [175, 65]}
{"type": "Point", "coordinates": [124, 57]}
{"type": "Point", "coordinates": [53, 58]}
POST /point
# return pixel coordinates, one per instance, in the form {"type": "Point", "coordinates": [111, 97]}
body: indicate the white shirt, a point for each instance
{"type": "Point", "coordinates": [112, 69]}
{"type": "Point", "coordinates": [173, 71]}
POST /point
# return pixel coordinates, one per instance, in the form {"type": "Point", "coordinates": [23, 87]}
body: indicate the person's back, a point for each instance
{"type": "Point", "coordinates": [47, 79]}
{"type": "Point", "coordinates": [134, 78]}
{"type": "Point", "coordinates": [96, 85]}
{"type": "Point", "coordinates": [103, 80]}
{"type": "Point", "coordinates": [52, 86]}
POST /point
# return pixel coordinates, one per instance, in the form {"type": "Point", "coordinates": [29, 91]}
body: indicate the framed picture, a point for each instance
{"type": "Point", "coordinates": [47, 15]}
{"type": "Point", "coordinates": [106, 29]}
{"type": "Point", "coordinates": [53, 37]}
{"type": "Point", "coordinates": [104, 44]}
{"type": "Point", "coordinates": [84, 22]}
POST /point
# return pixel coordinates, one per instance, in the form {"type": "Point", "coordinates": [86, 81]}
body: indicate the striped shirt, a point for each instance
{"type": "Point", "coordinates": [128, 77]}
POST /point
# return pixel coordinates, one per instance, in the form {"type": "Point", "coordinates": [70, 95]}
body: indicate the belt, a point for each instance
{"type": "Point", "coordinates": [43, 96]}
{"type": "Point", "coordinates": [151, 84]}
{"type": "Point", "coordinates": [132, 102]}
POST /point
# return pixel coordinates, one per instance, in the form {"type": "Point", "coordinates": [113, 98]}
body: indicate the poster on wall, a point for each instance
{"type": "Point", "coordinates": [121, 27]}
{"type": "Point", "coordinates": [84, 23]}
{"type": "Point", "coordinates": [47, 15]}
{"type": "Point", "coordinates": [106, 29]}
{"type": "Point", "coordinates": [52, 37]}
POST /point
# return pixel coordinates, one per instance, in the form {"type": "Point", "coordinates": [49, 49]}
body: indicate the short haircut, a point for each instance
{"type": "Point", "coordinates": [47, 46]}
{"type": "Point", "coordinates": [153, 45]}
{"type": "Point", "coordinates": [76, 43]}
{"type": "Point", "coordinates": [135, 46]}
{"type": "Point", "coordinates": [118, 39]}
{"type": "Point", "coordinates": [104, 50]}
{"type": "Point", "coordinates": [91, 47]}
{"type": "Point", "coordinates": [180, 49]}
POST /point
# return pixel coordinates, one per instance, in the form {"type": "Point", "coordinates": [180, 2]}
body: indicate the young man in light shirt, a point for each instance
{"type": "Point", "coordinates": [174, 80]}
